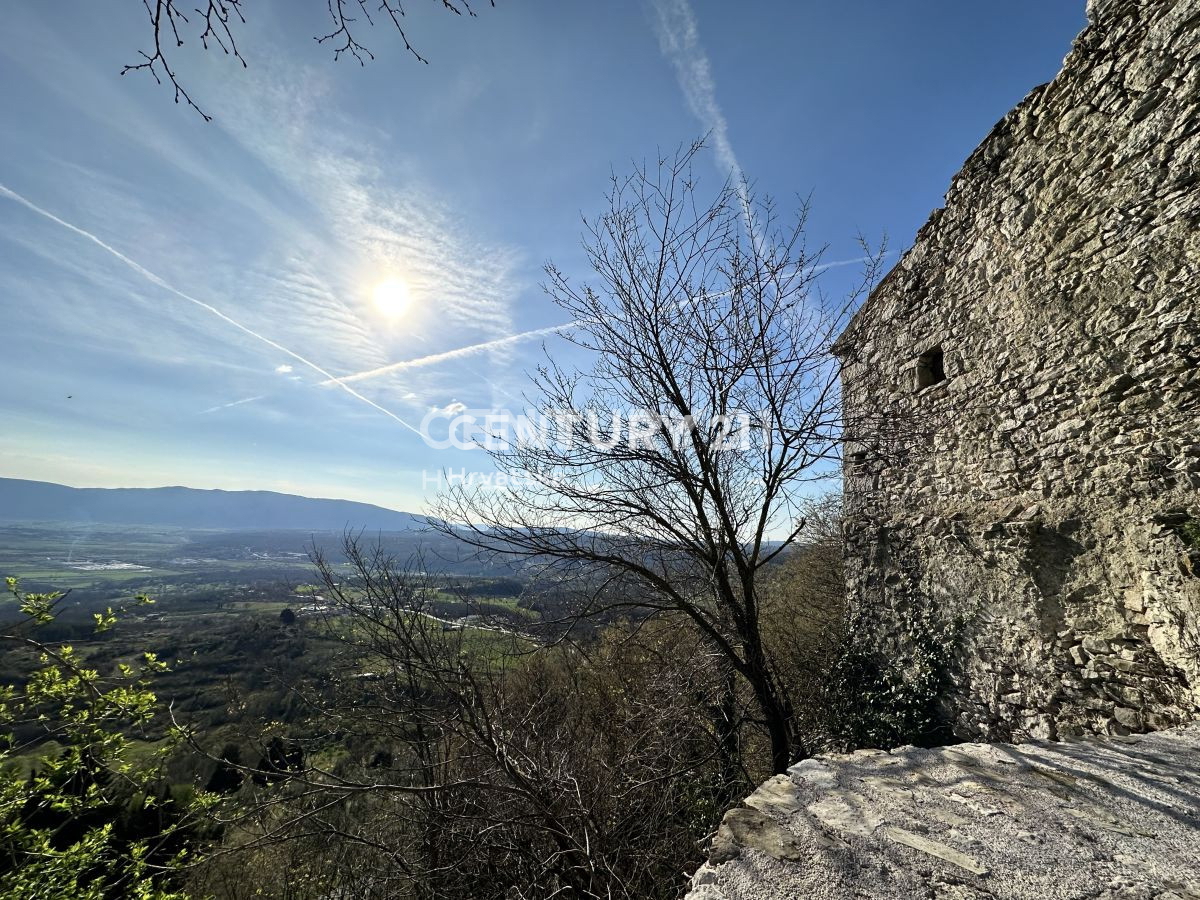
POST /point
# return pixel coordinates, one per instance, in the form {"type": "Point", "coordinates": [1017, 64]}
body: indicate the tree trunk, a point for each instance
{"type": "Point", "coordinates": [776, 713]}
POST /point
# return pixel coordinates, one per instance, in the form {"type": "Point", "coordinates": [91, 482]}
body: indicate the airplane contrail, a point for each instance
{"type": "Point", "coordinates": [159, 282]}
{"type": "Point", "coordinates": [449, 355]}
{"type": "Point", "coordinates": [472, 349]}
{"type": "Point", "coordinates": [679, 38]}
{"type": "Point", "coordinates": [821, 267]}
{"type": "Point", "coordinates": [213, 409]}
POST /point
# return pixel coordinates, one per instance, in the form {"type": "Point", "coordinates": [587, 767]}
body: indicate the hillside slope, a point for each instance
{"type": "Point", "coordinates": [40, 501]}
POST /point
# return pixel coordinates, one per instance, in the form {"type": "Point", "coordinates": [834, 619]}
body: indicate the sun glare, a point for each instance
{"type": "Point", "coordinates": [391, 297]}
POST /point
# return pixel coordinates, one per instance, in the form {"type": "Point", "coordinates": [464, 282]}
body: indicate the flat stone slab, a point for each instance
{"type": "Point", "coordinates": [1101, 819]}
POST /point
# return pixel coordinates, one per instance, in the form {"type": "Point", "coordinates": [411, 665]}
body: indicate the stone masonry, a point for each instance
{"type": "Point", "coordinates": [1023, 392]}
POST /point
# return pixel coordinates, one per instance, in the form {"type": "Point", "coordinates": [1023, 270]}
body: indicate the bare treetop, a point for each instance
{"type": "Point", "coordinates": [685, 455]}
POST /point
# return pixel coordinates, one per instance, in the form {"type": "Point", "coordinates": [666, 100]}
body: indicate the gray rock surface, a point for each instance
{"type": "Point", "coordinates": [1103, 819]}
{"type": "Point", "coordinates": [1046, 491]}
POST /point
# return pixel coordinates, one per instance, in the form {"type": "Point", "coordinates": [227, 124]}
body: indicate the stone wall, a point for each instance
{"type": "Point", "coordinates": [1023, 392]}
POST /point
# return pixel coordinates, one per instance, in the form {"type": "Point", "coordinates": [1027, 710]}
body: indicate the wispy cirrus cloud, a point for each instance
{"type": "Point", "coordinates": [326, 214]}
{"type": "Point", "coordinates": [371, 219]}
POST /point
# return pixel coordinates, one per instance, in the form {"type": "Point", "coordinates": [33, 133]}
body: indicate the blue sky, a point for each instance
{"type": "Point", "coordinates": [190, 285]}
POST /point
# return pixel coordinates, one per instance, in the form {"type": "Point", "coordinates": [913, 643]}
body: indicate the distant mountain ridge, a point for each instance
{"type": "Point", "coordinates": [43, 501]}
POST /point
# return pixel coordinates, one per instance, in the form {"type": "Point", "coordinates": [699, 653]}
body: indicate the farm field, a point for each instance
{"type": "Point", "coordinates": [217, 617]}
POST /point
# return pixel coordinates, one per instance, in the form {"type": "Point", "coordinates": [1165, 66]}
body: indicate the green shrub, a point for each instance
{"type": "Point", "coordinates": [873, 701]}
{"type": "Point", "coordinates": [90, 820]}
{"type": "Point", "coordinates": [1189, 531]}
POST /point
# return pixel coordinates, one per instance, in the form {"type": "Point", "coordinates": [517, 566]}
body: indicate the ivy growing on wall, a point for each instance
{"type": "Point", "coordinates": [1189, 531]}
{"type": "Point", "coordinates": [890, 700]}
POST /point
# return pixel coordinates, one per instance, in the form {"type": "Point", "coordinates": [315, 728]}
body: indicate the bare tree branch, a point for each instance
{"type": "Point", "coordinates": [169, 24]}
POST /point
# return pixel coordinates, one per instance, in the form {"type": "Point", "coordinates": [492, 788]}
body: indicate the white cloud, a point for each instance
{"type": "Point", "coordinates": [283, 369]}
{"type": "Point", "coordinates": [453, 408]}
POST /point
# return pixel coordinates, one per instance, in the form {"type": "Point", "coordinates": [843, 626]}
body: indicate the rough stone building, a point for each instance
{"type": "Point", "coordinates": [1024, 396]}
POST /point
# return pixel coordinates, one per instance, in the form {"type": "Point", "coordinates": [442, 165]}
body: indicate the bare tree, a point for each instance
{"type": "Point", "coordinates": [447, 761]}
{"type": "Point", "coordinates": [679, 464]}
{"type": "Point", "coordinates": [217, 24]}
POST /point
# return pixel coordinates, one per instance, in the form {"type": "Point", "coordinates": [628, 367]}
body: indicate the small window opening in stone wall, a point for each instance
{"type": "Point", "coordinates": [931, 368]}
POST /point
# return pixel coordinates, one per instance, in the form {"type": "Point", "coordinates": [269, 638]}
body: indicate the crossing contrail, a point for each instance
{"type": "Point", "coordinates": [472, 349]}
{"type": "Point", "coordinates": [159, 282]}
{"type": "Point", "coordinates": [451, 355]}
{"type": "Point", "coordinates": [220, 406]}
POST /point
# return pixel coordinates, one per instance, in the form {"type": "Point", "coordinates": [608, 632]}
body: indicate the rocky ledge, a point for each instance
{"type": "Point", "coordinates": [1103, 819]}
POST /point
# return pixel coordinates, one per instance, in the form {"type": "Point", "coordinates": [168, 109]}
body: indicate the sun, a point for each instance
{"type": "Point", "coordinates": [392, 297]}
